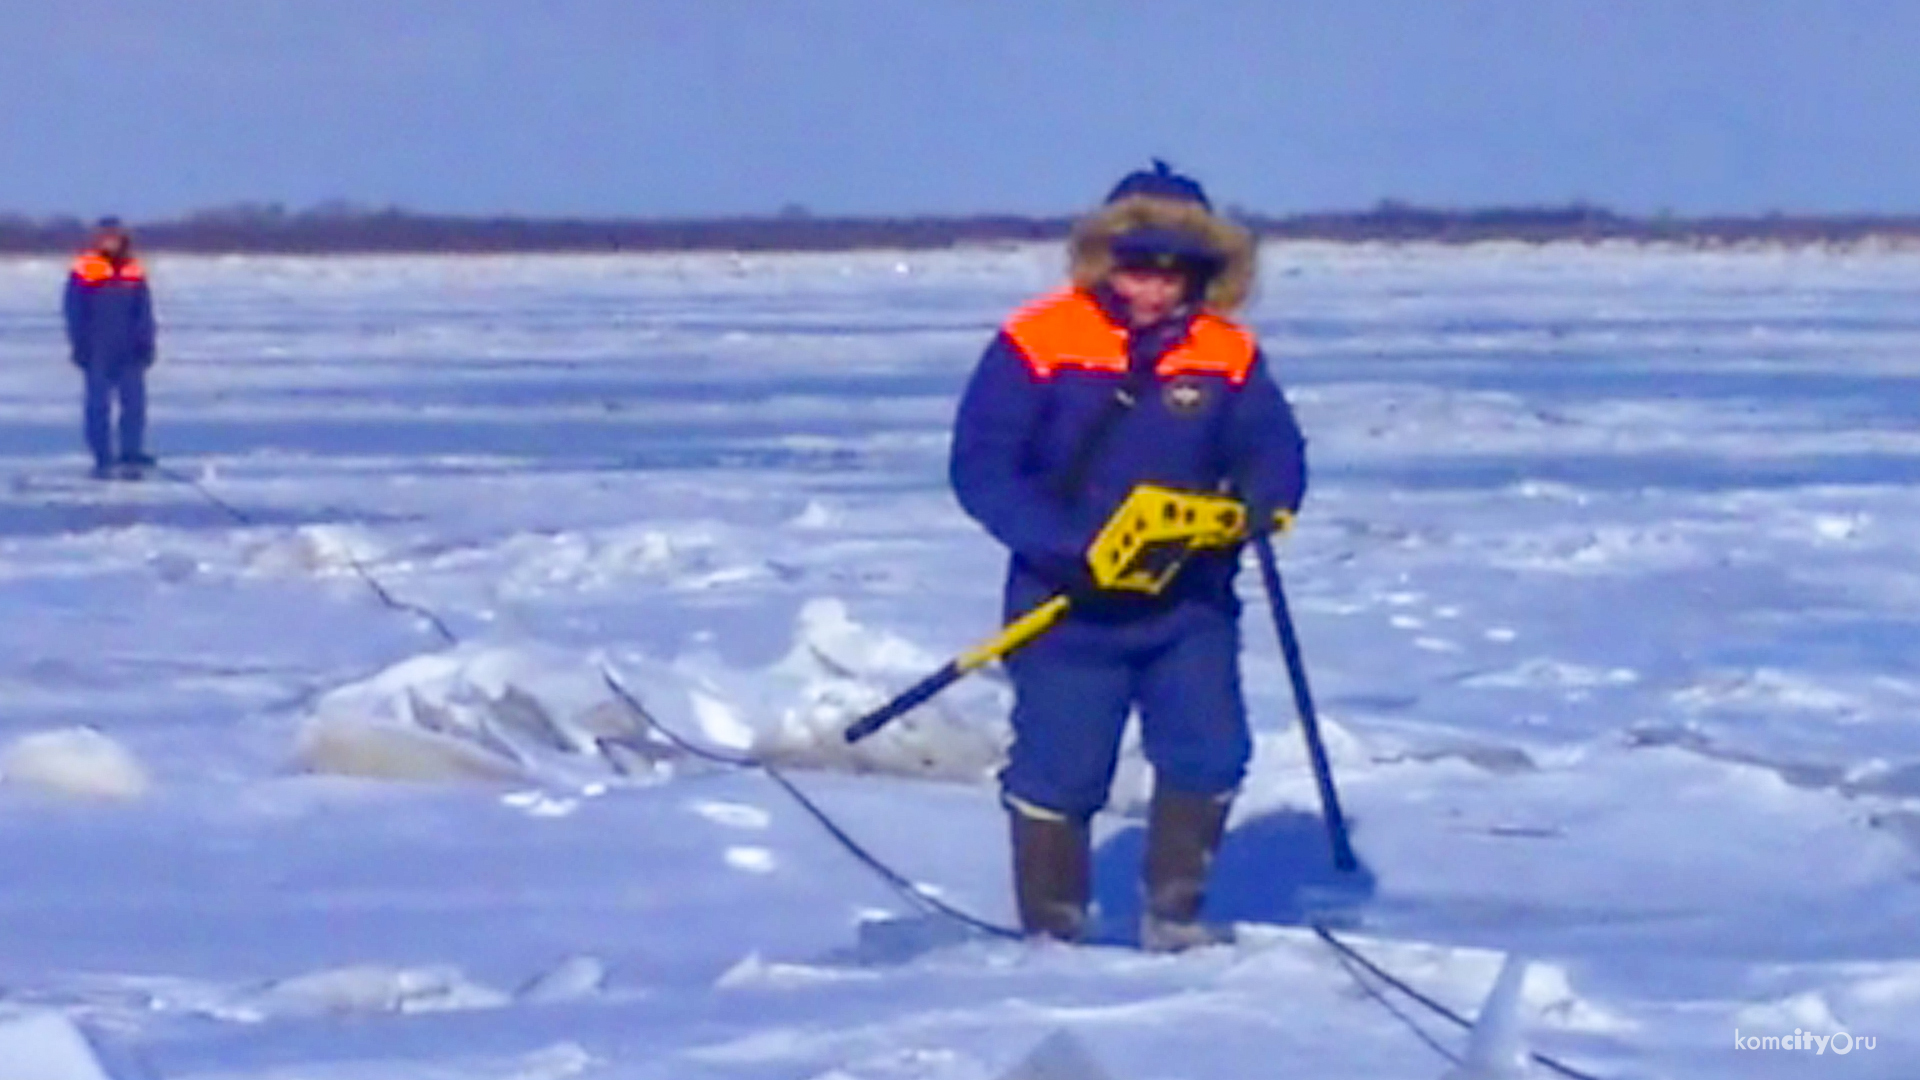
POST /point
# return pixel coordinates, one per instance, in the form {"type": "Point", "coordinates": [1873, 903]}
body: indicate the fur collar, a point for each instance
{"type": "Point", "coordinates": [1090, 250]}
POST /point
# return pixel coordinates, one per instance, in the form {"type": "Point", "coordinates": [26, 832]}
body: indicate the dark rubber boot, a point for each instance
{"type": "Point", "coordinates": [1052, 875]}
{"type": "Point", "coordinates": [1183, 832]}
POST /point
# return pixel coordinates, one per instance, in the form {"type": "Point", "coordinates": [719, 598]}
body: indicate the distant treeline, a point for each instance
{"type": "Point", "coordinates": [339, 229]}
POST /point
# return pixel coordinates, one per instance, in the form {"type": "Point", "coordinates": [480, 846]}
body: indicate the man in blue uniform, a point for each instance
{"type": "Point", "coordinates": [110, 328]}
{"type": "Point", "coordinates": [1132, 374]}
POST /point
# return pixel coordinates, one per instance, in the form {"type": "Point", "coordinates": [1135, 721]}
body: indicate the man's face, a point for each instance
{"type": "Point", "coordinates": [1150, 294]}
{"type": "Point", "coordinates": [110, 241]}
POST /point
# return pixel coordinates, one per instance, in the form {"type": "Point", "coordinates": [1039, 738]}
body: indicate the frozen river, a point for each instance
{"type": "Point", "coordinates": [1606, 582]}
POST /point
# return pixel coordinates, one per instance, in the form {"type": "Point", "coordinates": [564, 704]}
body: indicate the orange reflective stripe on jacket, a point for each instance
{"type": "Point", "coordinates": [96, 269]}
{"type": "Point", "coordinates": [1068, 330]}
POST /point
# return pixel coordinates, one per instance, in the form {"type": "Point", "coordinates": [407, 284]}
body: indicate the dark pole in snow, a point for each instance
{"type": "Point", "coordinates": [1303, 701]}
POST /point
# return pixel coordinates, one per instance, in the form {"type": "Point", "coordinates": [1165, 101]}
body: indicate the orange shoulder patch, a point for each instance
{"type": "Point", "coordinates": [1214, 346]}
{"type": "Point", "coordinates": [92, 268]}
{"type": "Point", "coordinates": [1067, 330]}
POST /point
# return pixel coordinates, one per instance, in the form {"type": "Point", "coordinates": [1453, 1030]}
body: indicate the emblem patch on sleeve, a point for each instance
{"type": "Point", "coordinates": [1185, 397]}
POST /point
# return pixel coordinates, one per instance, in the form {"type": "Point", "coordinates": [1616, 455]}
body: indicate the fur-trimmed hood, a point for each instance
{"type": "Point", "coordinates": [1090, 250]}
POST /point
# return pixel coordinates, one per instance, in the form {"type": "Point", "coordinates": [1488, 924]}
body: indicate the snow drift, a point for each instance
{"type": "Point", "coordinates": [505, 713]}
{"type": "Point", "coordinates": [46, 1046]}
{"type": "Point", "coordinates": [75, 762]}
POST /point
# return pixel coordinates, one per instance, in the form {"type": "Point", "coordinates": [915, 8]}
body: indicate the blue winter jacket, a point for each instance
{"type": "Point", "coordinates": [109, 314]}
{"type": "Point", "coordinates": [1207, 414]}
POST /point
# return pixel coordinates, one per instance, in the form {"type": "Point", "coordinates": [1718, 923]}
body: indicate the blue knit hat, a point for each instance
{"type": "Point", "coordinates": [1161, 182]}
{"type": "Point", "coordinates": [1158, 246]}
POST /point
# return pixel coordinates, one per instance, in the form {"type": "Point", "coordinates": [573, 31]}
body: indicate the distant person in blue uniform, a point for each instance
{"type": "Point", "coordinates": [110, 327]}
{"type": "Point", "coordinates": [1133, 373]}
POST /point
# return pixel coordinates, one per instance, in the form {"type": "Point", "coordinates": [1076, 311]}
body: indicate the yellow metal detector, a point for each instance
{"type": "Point", "coordinates": [1140, 549]}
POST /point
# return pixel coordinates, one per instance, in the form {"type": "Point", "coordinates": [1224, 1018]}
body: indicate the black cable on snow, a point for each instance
{"type": "Point", "coordinates": [418, 611]}
{"type": "Point", "coordinates": [1349, 957]}
{"type": "Point", "coordinates": [895, 880]}
{"type": "Point", "coordinates": [380, 591]}
{"type": "Point", "coordinates": [208, 494]}
{"type": "Point", "coordinates": [1348, 952]}
{"type": "Point", "coordinates": [1372, 991]}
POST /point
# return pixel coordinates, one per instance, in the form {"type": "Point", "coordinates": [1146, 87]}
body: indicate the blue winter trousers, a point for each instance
{"type": "Point", "coordinates": [1075, 687]}
{"type": "Point", "coordinates": [128, 383]}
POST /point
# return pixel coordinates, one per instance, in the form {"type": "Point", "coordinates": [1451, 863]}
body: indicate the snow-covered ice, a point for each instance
{"type": "Point", "coordinates": [1605, 582]}
{"type": "Point", "coordinates": [45, 1045]}
{"type": "Point", "coordinates": [77, 762]}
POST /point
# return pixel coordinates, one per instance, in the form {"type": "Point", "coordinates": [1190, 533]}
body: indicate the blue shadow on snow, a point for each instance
{"type": "Point", "coordinates": [1276, 868]}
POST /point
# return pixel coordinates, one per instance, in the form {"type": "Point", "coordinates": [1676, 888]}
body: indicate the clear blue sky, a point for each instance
{"type": "Point", "coordinates": [683, 107]}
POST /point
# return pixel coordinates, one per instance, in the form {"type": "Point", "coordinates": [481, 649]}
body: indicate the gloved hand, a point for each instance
{"type": "Point", "coordinates": [1065, 574]}
{"type": "Point", "coordinates": [1278, 519]}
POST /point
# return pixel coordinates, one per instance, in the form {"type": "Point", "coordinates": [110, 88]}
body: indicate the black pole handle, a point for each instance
{"type": "Point", "coordinates": [1303, 701]}
{"type": "Point", "coordinates": [911, 699]}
